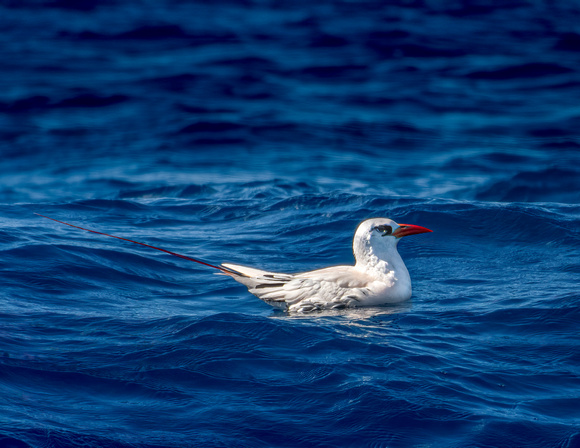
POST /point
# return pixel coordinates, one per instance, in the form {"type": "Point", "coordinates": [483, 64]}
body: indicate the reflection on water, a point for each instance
{"type": "Point", "coordinates": [363, 322]}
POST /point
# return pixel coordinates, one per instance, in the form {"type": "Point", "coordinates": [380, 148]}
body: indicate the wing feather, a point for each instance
{"type": "Point", "coordinates": [334, 287]}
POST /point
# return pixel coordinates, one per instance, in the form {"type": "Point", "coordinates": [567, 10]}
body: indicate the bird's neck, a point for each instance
{"type": "Point", "coordinates": [381, 259]}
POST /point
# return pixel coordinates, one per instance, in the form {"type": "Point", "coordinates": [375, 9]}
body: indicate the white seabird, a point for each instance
{"type": "Point", "coordinates": [378, 277]}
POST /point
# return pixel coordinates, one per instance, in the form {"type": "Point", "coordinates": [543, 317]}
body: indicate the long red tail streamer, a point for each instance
{"type": "Point", "coordinates": [143, 244]}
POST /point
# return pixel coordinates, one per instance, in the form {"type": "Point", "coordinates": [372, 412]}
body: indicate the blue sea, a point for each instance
{"type": "Point", "coordinates": [261, 133]}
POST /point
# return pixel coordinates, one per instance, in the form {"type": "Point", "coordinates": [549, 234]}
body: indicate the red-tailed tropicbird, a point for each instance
{"type": "Point", "coordinates": [378, 277]}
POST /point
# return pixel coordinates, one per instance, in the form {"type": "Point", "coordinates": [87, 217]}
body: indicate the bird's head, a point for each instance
{"type": "Point", "coordinates": [382, 234]}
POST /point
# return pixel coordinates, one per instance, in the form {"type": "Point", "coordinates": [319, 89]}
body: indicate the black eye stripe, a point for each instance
{"type": "Point", "coordinates": [384, 229]}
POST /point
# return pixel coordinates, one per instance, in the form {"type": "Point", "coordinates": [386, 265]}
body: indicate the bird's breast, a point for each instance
{"type": "Point", "coordinates": [389, 285]}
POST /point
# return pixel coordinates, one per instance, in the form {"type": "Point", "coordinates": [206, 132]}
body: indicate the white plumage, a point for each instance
{"type": "Point", "coordinates": [378, 277]}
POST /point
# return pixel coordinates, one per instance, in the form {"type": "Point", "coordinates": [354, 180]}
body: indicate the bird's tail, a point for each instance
{"type": "Point", "coordinates": [223, 268]}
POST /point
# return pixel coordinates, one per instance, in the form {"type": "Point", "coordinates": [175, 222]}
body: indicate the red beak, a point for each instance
{"type": "Point", "coordinates": [409, 229]}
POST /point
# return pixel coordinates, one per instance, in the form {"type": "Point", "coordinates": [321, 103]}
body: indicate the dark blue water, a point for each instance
{"type": "Point", "coordinates": [262, 133]}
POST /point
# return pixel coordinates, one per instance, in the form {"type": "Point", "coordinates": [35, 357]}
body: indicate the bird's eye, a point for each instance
{"type": "Point", "coordinates": [385, 230]}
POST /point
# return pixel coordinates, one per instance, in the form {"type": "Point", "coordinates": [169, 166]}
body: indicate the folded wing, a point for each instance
{"type": "Point", "coordinates": [329, 288]}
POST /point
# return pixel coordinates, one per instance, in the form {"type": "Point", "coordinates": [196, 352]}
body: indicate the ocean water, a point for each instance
{"type": "Point", "coordinates": [261, 133]}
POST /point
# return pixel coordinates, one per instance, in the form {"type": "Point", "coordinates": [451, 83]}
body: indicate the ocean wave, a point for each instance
{"type": "Point", "coordinates": [262, 134]}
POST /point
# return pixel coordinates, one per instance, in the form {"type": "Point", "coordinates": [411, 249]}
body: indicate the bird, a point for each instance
{"type": "Point", "coordinates": [378, 277]}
